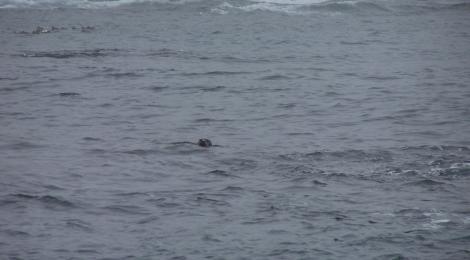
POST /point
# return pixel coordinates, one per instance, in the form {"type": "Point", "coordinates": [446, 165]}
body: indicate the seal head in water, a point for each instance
{"type": "Point", "coordinates": [204, 142]}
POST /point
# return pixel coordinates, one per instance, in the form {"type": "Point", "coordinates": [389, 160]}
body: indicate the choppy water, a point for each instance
{"type": "Point", "coordinates": [343, 129]}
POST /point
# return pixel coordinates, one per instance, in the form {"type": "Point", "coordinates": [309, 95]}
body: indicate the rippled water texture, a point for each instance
{"type": "Point", "coordinates": [341, 129]}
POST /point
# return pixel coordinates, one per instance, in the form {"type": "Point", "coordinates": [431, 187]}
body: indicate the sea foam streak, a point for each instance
{"type": "Point", "coordinates": [115, 3]}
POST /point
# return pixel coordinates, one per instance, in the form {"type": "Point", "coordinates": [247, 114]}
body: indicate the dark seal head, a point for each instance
{"type": "Point", "coordinates": [204, 142]}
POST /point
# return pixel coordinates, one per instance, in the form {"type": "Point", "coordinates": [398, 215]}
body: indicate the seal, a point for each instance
{"type": "Point", "coordinates": [203, 142]}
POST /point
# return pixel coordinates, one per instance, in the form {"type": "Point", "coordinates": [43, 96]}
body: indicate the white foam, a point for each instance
{"type": "Point", "coordinates": [79, 3]}
{"type": "Point", "coordinates": [257, 4]}
{"type": "Point", "coordinates": [291, 2]}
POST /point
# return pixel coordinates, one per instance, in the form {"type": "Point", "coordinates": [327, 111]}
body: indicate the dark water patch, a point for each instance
{"type": "Point", "coordinates": [381, 78]}
{"type": "Point", "coordinates": [220, 173]}
{"type": "Point", "coordinates": [52, 187]}
{"type": "Point", "coordinates": [47, 200]}
{"type": "Point", "coordinates": [99, 151]}
{"type": "Point", "coordinates": [78, 224]}
{"type": "Point", "coordinates": [171, 53]}
{"type": "Point", "coordinates": [457, 7]}
{"type": "Point", "coordinates": [300, 134]}
{"type": "Point", "coordinates": [133, 194]}
{"type": "Point", "coordinates": [426, 183]}
{"type": "Point", "coordinates": [19, 88]}
{"type": "Point", "coordinates": [121, 75]}
{"type": "Point", "coordinates": [68, 54]}
{"type": "Point", "coordinates": [233, 189]}
{"type": "Point", "coordinates": [296, 173]}
{"type": "Point", "coordinates": [462, 239]}
{"type": "Point", "coordinates": [437, 148]}
{"type": "Point", "coordinates": [185, 148]}
{"type": "Point", "coordinates": [214, 73]}
{"type": "Point", "coordinates": [126, 209]}
{"type": "Point", "coordinates": [147, 220]}
{"type": "Point", "coordinates": [309, 214]}
{"type": "Point", "coordinates": [159, 88]}
{"type": "Point", "coordinates": [210, 238]}
{"type": "Point", "coordinates": [142, 152]}
{"type": "Point", "coordinates": [168, 203]}
{"type": "Point", "coordinates": [353, 43]}
{"type": "Point", "coordinates": [87, 252]}
{"type": "Point", "coordinates": [69, 94]}
{"type": "Point", "coordinates": [319, 183]}
{"type": "Point", "coordinates": [277, 77]}
{"type": "Point", "coordinates": [203, 199]}
{"type": "Point", "coordinates": [233, 59]}
{"type": "Point", "coordinates": [4, 202]}
{"type": "Point", "coordinates": [287, 252]}
{"type": "Point", "coordinates": [346, 155]}
{"type": "Point", "coordinates": [332, 94]}
{"type": "Point", "coordinates": [92, 139]}
{"type": "Point", "coordinates": [213, 89]}
{"type": "Point", "coordinates": [431, 6]}
{"type": "Point", "coordinates": [8, 78]}
{"type": "Point", "coordinates": [259, 221]}
{"type": "Point", "coordinates": [209, 120]}
{"type": "Point", "coordinates": [347, 7]}
{"type": "Point", "coordinates": [51, 200]}
{"type": "Point", "coordinates": [23, 145]}
{"type": "Point", "coordinates": [391, 257]}
{"type": "Point", "coordinates": [14, 233]}
{"type": "Point", "coordinates": [237, 164]}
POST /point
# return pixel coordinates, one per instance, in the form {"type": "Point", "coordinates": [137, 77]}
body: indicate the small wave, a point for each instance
{"type": "Point", "coordinates": [120, 75]}
{"type": "Point", "coordinates": [381, 78]}
{"type": "Point", "coordinates": [209, 120]}
{"type": "Point", "coordinates": [79, 225]}
{"type": "Point", "coordinates": [171, 53]}
{"type": "Point", "coordinates": [49, 4]}
{"type": "Point", "coordinates": [148, 220]}
{"type": "Point", "coordinates": [275, 77]}
{"type": "Point", "coordinates": [92, 139]}
{"type": "Point", "coordinates": [214, 73]}
{"type": "Point", "coordinates": [436, 148]}
{"type": "Point", "coordinates": [462, 238]}
{"type": "Point", "coordinates": [348, 155]}
{"type": "Point", "coordinates": [12, 89]}
{"type": "Point", "coordinates": [67, 54]}
{"type": "Point", "coordinates": [8, 78]}
{"type": "Point", "coordinates": [158, 88]}
{"type": "Point", "coordinates": [425, 183]}
{"type": "Point", "coordinates": [184, 148]}
{"type": "Point", "coordinates": [141, 152]}
{"type": "Point", "coordinates": [213, 89]}
{"type": "Point", "coordinates": [15, 233]}
{"type": "Point", "coordinates": [390, 257]}
{"type": "Point", "coordinates": [353, 43]}
{"type": "Point", "coordinates": [48, 200]}
{"type": "Point", "coordinates": [455, 170]}
{"type": "Point", "coordinates": [21, 146]}
{"type": "Point", "coordinates": [430, 6]}
{"type": "Point", "coordinates": [347, 7]}
{"type": "Point", "coordinates": [233, 189]}
{"type": "Point", "coordinates": [220, 173]}
{"type": "Point", "coordinates": [69, 94]}
{"type": "Point", "coordinates": [202, 199]}
{"type": "Point", "coordinates": [127, 209]}
{"type": "Point", "coordinates": [222, 7]}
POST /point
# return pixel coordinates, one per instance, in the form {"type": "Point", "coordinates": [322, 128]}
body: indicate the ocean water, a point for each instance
{"type": "Point", "coordinates": [341, 129]}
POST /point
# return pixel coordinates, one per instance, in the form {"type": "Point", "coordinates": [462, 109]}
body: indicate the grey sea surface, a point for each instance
{"type": "Point", "coordinates": [342, 129]}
